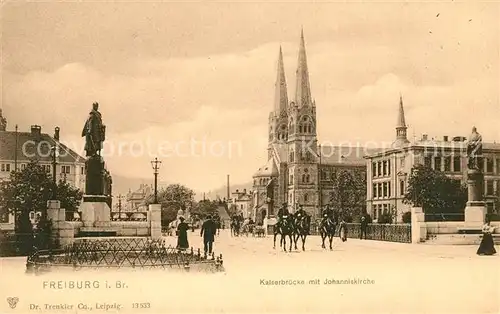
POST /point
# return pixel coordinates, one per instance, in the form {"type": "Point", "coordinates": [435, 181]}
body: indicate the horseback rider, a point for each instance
{"type": "Point", "coordinates": [282, 212]}
{"type": "Point", "coordinates": [328, 213]}
{"type": "Point", "coordinates": [301, 212]}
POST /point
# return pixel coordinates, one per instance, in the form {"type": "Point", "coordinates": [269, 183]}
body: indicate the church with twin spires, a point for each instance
{"type": "Point", "coordinates": [298, 170]}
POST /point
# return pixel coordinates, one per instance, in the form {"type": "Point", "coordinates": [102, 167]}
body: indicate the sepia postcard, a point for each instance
{"type": "Point", "coordinates": [249, 157]}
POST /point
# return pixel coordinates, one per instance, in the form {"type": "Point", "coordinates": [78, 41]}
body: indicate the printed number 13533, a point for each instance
{"type": "Point", "coordinates": [141, 305]}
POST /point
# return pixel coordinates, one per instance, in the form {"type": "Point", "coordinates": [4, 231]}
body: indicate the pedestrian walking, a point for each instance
{"type": "Point", "coordinates": [487, 245]}
{"type": "Point", "coordinates": [364, 226]}
{"type": "Point", "coordinates": [208, 231]}
{"type": "Point", "coordinates": [343, 230]}
{"type": "Point", "coordinates": [182, 238]}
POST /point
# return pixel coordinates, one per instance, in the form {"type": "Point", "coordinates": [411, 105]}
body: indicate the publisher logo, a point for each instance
{"type": "Point", "coordinates": [12, 302]}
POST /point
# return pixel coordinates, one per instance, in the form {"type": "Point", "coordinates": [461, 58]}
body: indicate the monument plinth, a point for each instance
{"type": "Point", "coordinates": [475, 210]}
{"type": "Point", "coordinates": [96, 213]}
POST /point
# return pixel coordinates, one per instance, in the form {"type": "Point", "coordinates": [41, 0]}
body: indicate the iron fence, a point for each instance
{"type": "Point", "coordinates": [380, 232]}
{"type": "Point", "coordinates": [122, 253]}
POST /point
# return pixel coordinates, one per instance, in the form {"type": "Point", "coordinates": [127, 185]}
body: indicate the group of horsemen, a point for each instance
{"type": "Point", "coordinates": [327, 214]}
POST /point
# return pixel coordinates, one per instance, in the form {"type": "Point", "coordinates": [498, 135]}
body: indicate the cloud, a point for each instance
{"type": "Point", "coordinates": [358, 67]}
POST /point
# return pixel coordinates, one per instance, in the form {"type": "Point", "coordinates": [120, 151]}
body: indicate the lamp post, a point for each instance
{"type": "Point", "coordinates": [54, 153]}
{"type": "Point", "coordinates": [156, 166]}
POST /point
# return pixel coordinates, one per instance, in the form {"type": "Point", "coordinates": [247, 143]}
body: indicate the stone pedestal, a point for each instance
{"type": "Point", "coordinates": [418, 226]}
{"type": "Point", "coordinates": [62, 231]}
{"type": "Point", "coordinates": [94, 181]}
{"type": "Point", "coordinates": [475, 210]}
{"type": "Point", "coordinates": [155, 220]}
{"type": "Point", "coordinates": [96, 215]}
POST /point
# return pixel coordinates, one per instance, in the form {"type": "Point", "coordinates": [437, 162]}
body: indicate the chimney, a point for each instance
{"type": "Point", "coordinates": [245, 191]}
{"type": "Point", "coordinates": [56, 133]}
{"type": "Point", "coordinates": [445, 138]}
{"type": "Point", "coordinates": [36, 131]}
{"type": "Point", "coordinates": [424, 137]}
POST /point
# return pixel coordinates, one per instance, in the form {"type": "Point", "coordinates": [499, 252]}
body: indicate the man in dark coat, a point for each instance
{"type": "Point", "coordinates": [364, 226]}
{"type": "Point", "coordinates": [208, 230]}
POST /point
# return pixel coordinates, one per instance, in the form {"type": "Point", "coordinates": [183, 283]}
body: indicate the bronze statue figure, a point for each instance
{"type": "Point", "coordinates": [474, 149]}
{"type": "Point", "coordinates": [94, 132]}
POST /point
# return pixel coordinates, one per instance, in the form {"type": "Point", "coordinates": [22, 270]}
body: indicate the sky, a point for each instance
{"type": "Point", "coordinates": [167, 74]}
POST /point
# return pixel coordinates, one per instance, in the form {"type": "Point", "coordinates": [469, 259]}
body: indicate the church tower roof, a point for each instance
{"type": "Point", "coordinates": [401, 136]}
{"type": "Point", "coordinates": [3, 121]}
{"type": "Point", "coordinates": [302, 87]}
{"type": "Point", "coordinates": [281, 93]}
{"type": "Point", "coordinates": [401, 114]}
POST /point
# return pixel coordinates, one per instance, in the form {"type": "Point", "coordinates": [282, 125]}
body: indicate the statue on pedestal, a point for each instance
{"type": "Point", "coordinates": [94, 132]}
{"type": "Point", "coordinates": [474, 150]}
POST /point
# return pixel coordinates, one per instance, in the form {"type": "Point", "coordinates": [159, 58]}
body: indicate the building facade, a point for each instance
{"type": "Point", "coordinates": [298, 170]}
{"type": "Point", "coordinates": [18, 149]}
{"type": "Point", "coordinates": [136, 200]}
{"type": "Point", "coordinates": [388, 171]}
{"type": "Point", "coordinates": [241, 201]}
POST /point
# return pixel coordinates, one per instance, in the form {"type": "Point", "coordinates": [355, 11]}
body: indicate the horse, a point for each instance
{"type": "Point", "coordinates": [302, 227]}
{"type": "Point", "coordinates": [327, 229]}
{"type": "Point", "coordinates": [284, 228]}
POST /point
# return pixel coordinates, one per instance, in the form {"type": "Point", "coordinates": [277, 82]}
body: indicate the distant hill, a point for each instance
{"type": "Point", "coordinates": [222, 191]}
{"type": "Point", "coordinates": [121, 185]}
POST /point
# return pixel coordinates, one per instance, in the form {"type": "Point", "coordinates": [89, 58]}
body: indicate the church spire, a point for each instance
{"type": "Point", "coordinates": [401, 114]}
{"type": "Point", "coordinates": [302, 87]}
{"type": "Point", "coordinates": [401, 137]}
{"type": "Point", "coordinates": [281, 93]}
{"type": "Point", "coordinates": [3, 121]}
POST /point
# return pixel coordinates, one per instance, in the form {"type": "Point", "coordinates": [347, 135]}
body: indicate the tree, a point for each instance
{"type": "Point", "coordinates": [172, 198]}
{"type": "Point", "coordinates": [434, 191]}
{"type": "Point", "coordinates": [349, 193]}
{"type": "Point", "coordinates": [70, 198]}
{"type": "Point", "coordinates": [29, 190]}
{"type": "Point", "coordinates": [206, 207]}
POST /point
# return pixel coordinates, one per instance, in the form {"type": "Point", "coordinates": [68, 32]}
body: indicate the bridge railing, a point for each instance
{"type": "Point", "coordinates": [379, 232]}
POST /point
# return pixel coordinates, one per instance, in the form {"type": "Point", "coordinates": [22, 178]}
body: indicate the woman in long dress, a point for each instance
{"type": "Point", "coordinates": [487, 246]}
{"type": "Point", "coordinates": [182, 239]}
{"type": "Point", "coordinates": [343, 230]}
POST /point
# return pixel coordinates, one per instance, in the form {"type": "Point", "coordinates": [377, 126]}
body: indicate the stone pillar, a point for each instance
{"type": "Point", "coordinates": [475, 211]}
{"type": "Point", "coordinates": [155, 221]}
{"type": "Point", "coordinates": [58, 217]}
{"type": "Point", "coordinates": [418, 226]}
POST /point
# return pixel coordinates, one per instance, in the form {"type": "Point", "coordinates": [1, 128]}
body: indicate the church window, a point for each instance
{"type": "Point", "coordinates": [402, 188]}
{"type": "Point", "coordinates": [292, 155]}
{"type": "Point", "coordinates": [306, 198]}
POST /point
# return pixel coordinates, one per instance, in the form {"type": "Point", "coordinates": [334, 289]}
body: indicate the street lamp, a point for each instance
{"type": "Point", "coordinates": [156, 166]}
{"type": "Point", "coordinates": [54, 153]}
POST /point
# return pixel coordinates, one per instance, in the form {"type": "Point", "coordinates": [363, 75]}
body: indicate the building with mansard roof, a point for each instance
{"type": "Point", "coordinates": [297, 169]}
{"type": "Point", "coordinates": [19, 148]}
{"type": "Point", "coordinates": [388, 171]}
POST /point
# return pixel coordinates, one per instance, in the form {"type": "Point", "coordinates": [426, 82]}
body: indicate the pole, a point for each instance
{"type": "Point", "coordinates": [15, 152]}
{"type": "Point", "coordinates": [54, 180]}
{"type": "Point", "coordinates": [228, 189]}
{"type": "Point", "coordinates": [156, 166]}
{"type": "Point", "coordinates": [156, 187]}
{"type": "Point", "coordinates": [119, 206]}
